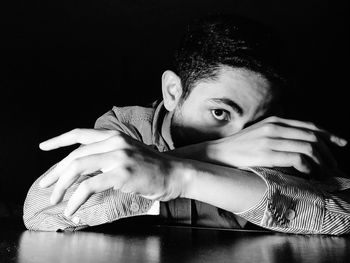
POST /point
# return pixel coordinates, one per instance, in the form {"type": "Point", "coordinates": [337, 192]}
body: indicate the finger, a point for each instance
{"type": "Point", "coordinates": [289, 132]}
{"type": "Point", "coordinates": [48, 173]}
{"type": "Point", "coordinates": [84, 165]}
{"type": "Point", "coordinates": [302, 135]}
{"type": "Point", "coordinates": [110, 144]}
{"type": "Point", "coordinates": [87, 188]}
{"type": "Point", "coordinates": [310, 126]}
{"type": "Point", "coordinates": [292, 133]}
{"type": "Point", "coordinates": [297, 146]}
{"type": "Point", "coordinates": [82, 136]}
{"type": "Point", "coordinates": [50, 178]}
{"type": "Point", "coordinates": [328, 156]}
{"type": "Point", "coordinates": [91, 186]}
{"type": "Point", "coordinates": [291, 159]}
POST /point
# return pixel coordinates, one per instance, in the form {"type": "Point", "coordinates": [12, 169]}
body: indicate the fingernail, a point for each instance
{"type": "Point", "coordinates": [339, 141]}
{"type": "Point", "coordinates": [67, 212]}
{"type": "Point", "coordinates": [53, 200]}
{"type": "Point", "coordinates": [43, 146]}
{"type": "Point", "coordinates": [42, 183]}
{"type": "Point", "coordinates": [343, 142]}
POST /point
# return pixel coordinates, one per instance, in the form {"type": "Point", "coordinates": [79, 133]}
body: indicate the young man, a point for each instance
{"type": "Point", "coordinates": [207, 152]}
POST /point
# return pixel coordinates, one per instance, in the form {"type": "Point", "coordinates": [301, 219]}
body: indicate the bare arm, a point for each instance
{"type": "Point", "coordinates": [282, 203]}
{"type": "Point", "coordinates": [228, 188]}
{"type": "Point", "coordinates": [273, 142]}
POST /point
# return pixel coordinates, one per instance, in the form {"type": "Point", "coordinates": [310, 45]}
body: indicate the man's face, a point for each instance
{"type": "Point", "coordinates": [219, 108]}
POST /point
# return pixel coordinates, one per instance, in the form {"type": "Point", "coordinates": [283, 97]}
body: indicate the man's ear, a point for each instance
{"type": "Point", "coordinates": [171, 89]}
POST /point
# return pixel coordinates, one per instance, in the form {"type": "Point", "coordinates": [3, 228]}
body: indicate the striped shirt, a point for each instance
{"type": "Point", "coordinates": [290, 204]}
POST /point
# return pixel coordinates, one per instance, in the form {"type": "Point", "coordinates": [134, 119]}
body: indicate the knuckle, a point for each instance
{"type": "Point", "coordinates": [74, 165]}
{"type": "Point", "coordinates": [309, 148]}
{"type": "Point", "coordinates": [114, 132]}
{"type": "Point", "coordinates": [78, 134]}
{"type": "Point", "coordinates": [299, 159]}
{"type": "Point", "coordinates": [59, 186]}
{"type": "Point", "coordinates": [125, 189]}
{"type": "Point", "coordinates": [119, 155]}
{"type": "Point", "coordinates": [122, 154]}
{"type": "Point", "coordinates": [122, 138]}
{"type": "Point", "coordinates": [85, 186]}
{"type": "Point", "coordinates": [76, 131]}
{"type": "Point", "coordinates": [273, 118]}
{"type": "Point", "coordinates": [126, 173]}
{"type": "Point", "coordinates": [129, 169]}
{"type": "Point", "coordinates": [311, 125]}
{"type": "Point", "coordinates": [269, 128]}
{"type": "Point", "coordinates": [265, 142]}
{"type": "Point", "coordinates": [72, 155]}
{"type": "Point", "coordinates": [115, 140]}
{"type": "Point", "coordinates": [118, 140]}
{"type": "Point", "coordinates": [301, 163]}
{"type": "Point", "coordinates": [312, 136]}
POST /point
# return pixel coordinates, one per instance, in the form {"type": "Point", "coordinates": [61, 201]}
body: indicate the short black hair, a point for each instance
{"type": "Point", "coordinates": [226, 40]}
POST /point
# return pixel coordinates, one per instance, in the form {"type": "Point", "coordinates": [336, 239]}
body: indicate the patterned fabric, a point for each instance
{"type": "Point", "coordinates": [296, 205]}
{"type": "Point", "coordinates": [100, 208]}
{"type": "Point", "coordinates": [290, 204]}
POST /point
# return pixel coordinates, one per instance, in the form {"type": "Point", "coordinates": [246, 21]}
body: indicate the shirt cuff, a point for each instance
{"type": "Point", "coordinates": [154, 210]}
{"type": "Point", "coordinates": [289, 204]}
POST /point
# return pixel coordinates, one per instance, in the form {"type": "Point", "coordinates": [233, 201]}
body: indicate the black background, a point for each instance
{"type": "Point", "coordinates": [66, 62]}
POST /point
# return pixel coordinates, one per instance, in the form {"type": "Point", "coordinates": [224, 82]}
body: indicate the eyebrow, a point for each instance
{"type": "Point", "coordinates": [230, 103]}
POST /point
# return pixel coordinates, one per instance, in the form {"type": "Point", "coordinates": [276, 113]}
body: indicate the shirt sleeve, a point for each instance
{"type": "Point", "coordinates": [298, 205]}
{"type": "Point", "coordinates": [104, 207]}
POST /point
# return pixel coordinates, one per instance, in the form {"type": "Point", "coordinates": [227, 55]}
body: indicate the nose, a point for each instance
{"type": "Point", "coordinates": [251, 122]}
{"type": "Point", "coordinates": [237, 125]}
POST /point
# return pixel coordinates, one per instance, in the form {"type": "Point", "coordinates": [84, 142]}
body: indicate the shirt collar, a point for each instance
{"type": "Point", "coordinates": [157, 124]}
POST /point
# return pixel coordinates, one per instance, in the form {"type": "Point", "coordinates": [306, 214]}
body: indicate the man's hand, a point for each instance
{"type": "Point", "coordinates": [120, 162]}
{"type": "Point", "coordinates": [277, 142]}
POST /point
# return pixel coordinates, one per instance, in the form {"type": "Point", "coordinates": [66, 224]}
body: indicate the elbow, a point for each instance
{"type": "Point", "coordinates": [38, 214]}
{"type": "Point", "coordinates": [43, 219]}
{"type": "Point", "coordinates": [30, 210]}
{"type": "Point", "coordinates": [34, 215]}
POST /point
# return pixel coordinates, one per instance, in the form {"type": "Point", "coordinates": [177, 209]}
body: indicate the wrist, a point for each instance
{"type": "Point", "coordinates": [212, 151]}
{"type": "Point", "coordinates": [181, 178]}
{"type": "Point", "coordinates": [199, 151]}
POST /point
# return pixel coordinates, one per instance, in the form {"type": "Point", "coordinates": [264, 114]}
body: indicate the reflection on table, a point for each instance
{"type": "Point", "coordinates": [180, 244]}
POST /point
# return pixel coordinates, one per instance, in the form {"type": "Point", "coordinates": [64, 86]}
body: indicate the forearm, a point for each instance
{"type": "Point", "coordinates": [271, 198]}
{"type": "Point", "coordinates": [224, 187]}
{"type": "Point", "coordinates": [206, 152]}
{"type": "Point", "coordinates": [195, 152]}
{"type": "Point", "coordinates": [104, 207]}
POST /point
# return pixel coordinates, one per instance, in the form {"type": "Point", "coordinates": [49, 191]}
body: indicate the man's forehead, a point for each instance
{"type": "Point", "coordinates": [247, 88]}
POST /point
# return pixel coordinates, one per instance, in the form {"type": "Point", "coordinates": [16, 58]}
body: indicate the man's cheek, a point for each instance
{"type": "Point", "coordinates": [197, 135]}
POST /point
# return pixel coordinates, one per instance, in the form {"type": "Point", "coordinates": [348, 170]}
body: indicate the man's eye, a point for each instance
{"type": "Point", "coordinates": [220, 115]}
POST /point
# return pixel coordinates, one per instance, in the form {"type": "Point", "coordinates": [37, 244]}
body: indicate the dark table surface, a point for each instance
{"type": "Point", "coordinates": [138, 242]}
